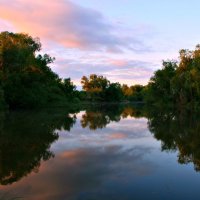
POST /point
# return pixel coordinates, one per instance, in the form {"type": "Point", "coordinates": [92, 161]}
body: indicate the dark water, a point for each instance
{"type": "Point", "coordinates": [113, 152]}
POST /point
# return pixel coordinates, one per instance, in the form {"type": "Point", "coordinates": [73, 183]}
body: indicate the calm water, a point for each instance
{"type": "Point", "coordinates": [113, 152]}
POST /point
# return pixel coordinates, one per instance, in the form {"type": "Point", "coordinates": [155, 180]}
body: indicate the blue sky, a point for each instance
{"type": "Point", "coordinates": [124, 40]}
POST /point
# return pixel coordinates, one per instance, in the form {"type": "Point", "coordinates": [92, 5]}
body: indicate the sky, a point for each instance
{"type": "Point", "coordinates": [124, 40]}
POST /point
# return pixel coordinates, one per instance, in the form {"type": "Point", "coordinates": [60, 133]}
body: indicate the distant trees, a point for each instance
{"type": "Point", "coordinates": [94, 83]}
{"type": "Point", "coordinates": [95, 86]}
{"type": "Point", "coordinates": [99, 88]}
{"type": "Point", "coordinates": [133, 93]}
{"type": "Point", "coordinates": [114, 92]}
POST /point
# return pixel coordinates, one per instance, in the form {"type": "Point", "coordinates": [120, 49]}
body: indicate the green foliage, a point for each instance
{"type": "Point", "coordinates": [159, 88]}
{"type": "Point", "coordinates": [114, 92]}
{"type": "Point", "coordinates": [177, 84]}
{"type": "Point", "coordinates": [186, 83]}
{"type": "Point", "coordinates": [26, 79]}
{"type": "Point", "coordinates": [69, 88]}
{"type": "Point", "coordinates": [95, 87]}
{"type": "Point", "coordinates": [133, 93]}
{"type": "Point", "coordinates": [99, 88]}
{"type": "Point", "coordinates": [2, 100]}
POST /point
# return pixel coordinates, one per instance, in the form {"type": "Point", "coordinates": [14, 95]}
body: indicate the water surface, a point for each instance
{"type": "Point", "coordinates": [111, 152]}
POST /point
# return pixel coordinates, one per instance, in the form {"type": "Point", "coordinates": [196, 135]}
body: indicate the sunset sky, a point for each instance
{"type": "Point", "coordinates": [124, 40]}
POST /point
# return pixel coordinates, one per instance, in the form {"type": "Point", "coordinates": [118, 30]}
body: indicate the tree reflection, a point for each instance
{"type": "Point", "coordinates": [136, 112]}
{"type": "Point", "coordinates": [25, 140]}
{"type": "Point", "coordinates": [178, 131]}
{"type": "Point", "coordinates": [94, 120]}
{"type": "Point", "coordinates": [99, 117]}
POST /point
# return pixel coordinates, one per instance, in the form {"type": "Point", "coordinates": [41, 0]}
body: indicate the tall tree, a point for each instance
{"type": "Point", "coordinates": [95, 86]}
{"type": "Point", "coordinates": [159, 89]}
{"type": "Point", "coordinates": [25, 77]}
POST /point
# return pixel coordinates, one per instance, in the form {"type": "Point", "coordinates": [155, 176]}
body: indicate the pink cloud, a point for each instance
{"type": "Point", "coordinates": [117, 136]}
{"type": "Point", "coordinates": [124, 71]}
{"type": "Point", "coordinates": [65, 23]}
{"type": "Point", "coordinates": [5, 25]}
{"type": "Point", "coordinates": [118, 62]}
{"type": "Point", "coordinates": [41, 18]}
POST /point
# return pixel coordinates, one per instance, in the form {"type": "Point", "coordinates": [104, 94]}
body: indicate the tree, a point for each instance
{"type": "Point", "coordinates": [133, 93]}
{"type": "Point", "coordinates": [25, 77]}
{"type": "Point", "coordinates": [114, 92]}
{"type": "Point", "coordinates": [177, 83]}
{"type": "Point", "coordinates": [126, 90]}
{"type": "Point", "coordinates": [95, 86]}
{"type": "Point", "coordinates": [17, 50]}
{"type": "Point", "coordinates": [68, 87]}
{"type": "Point", "coordinates": [159, 89]}
{"type": "Point", "coordinates": [186, 83]}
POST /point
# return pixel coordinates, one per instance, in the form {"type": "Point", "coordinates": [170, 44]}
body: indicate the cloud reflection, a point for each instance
{"type": "Point", "coordinates": [85, 173]}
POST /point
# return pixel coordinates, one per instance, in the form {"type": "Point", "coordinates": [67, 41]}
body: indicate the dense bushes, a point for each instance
{"type": "Point", "coordinates": [177, 83]}
{"type": "Point", "coordinates": [25, 78]}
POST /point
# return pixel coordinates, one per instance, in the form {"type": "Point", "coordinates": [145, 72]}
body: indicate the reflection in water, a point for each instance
{"type": "Point", "coordinates": [99, 117]}
{"type": "Point", "coordinates": [25, 139]}
{"type": "Point", "coordinates": [178, 131]}
{"type": "Point", "coordinates": [118, 160]}
{"type": "Point", "coordinates": [86, 174]}
{"type": "Point", "coordinates": [94, 120]}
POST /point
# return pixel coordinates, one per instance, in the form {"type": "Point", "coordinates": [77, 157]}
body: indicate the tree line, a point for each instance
{"type": "Point", "coordinates": [100, 89]}
{"type": "Point", "coordinates": [27, 81]}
